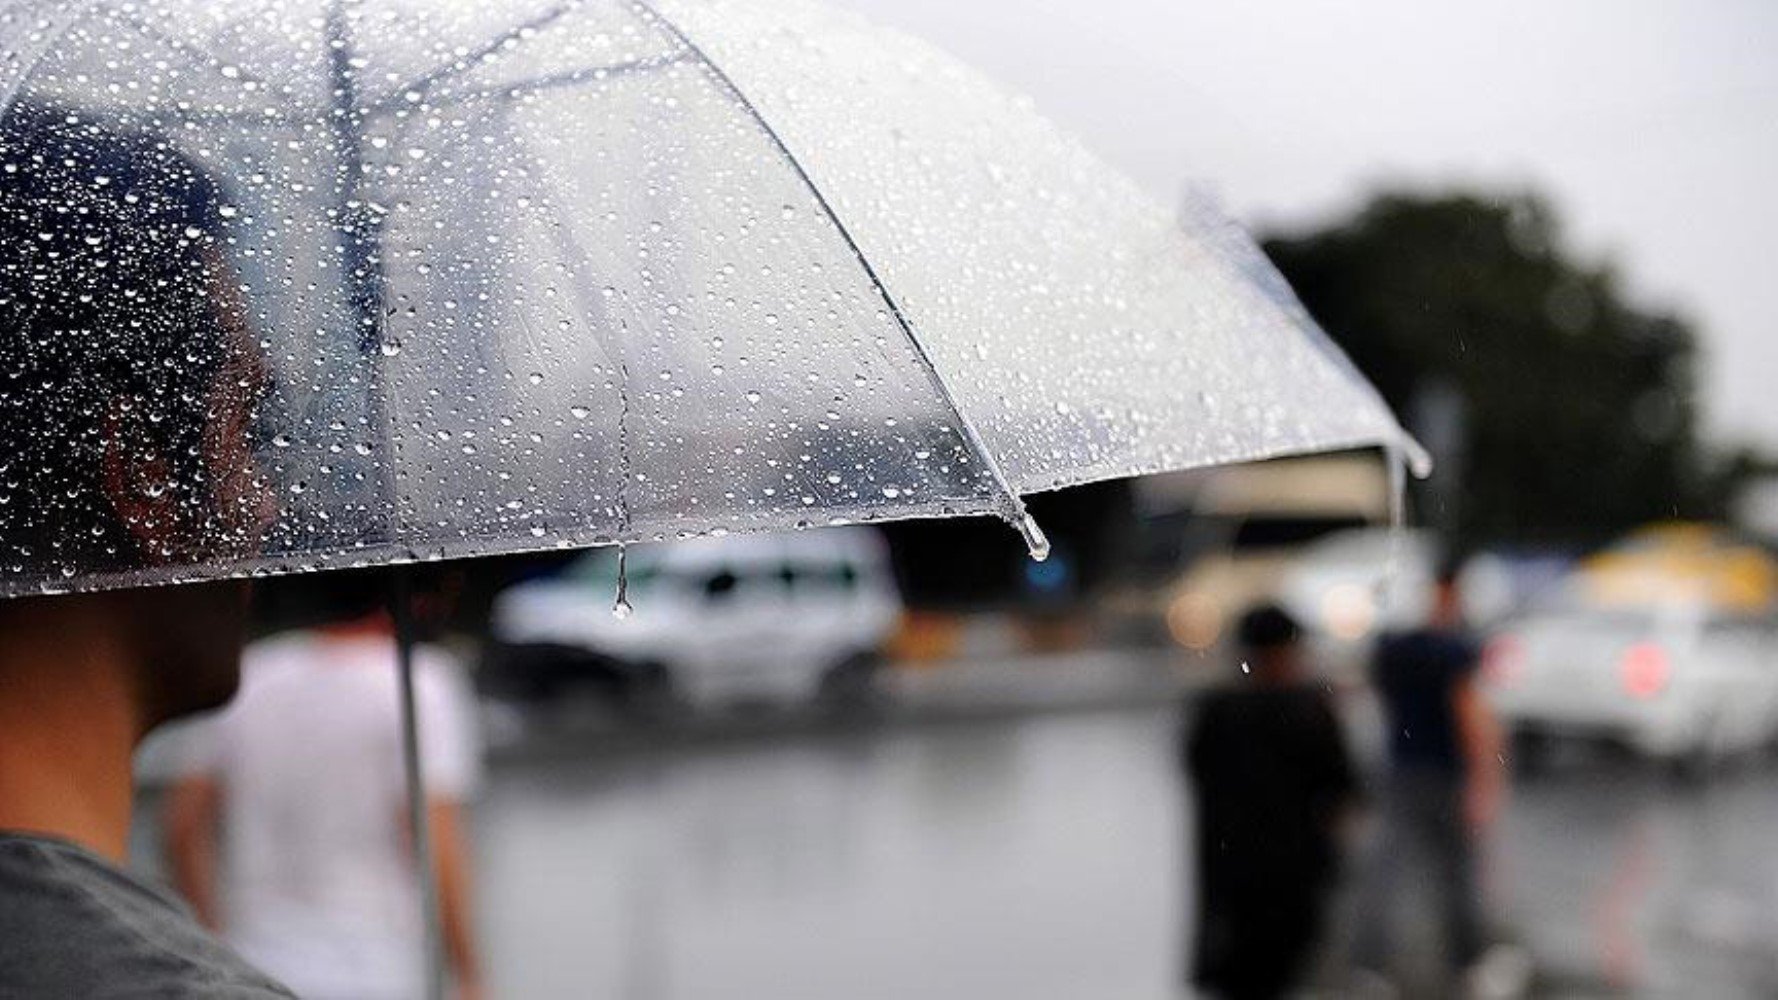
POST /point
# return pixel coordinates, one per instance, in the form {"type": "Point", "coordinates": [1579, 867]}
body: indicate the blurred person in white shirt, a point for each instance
{"type": "Point", "coordinates": [288, 831]}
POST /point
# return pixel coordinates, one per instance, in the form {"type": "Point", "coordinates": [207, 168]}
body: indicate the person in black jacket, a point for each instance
{"type": "Point", "coordinates": [1273, 779]}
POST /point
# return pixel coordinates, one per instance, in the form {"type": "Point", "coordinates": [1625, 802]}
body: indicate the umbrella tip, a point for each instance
{"type": "Point", "coordinates": [1036, 542]}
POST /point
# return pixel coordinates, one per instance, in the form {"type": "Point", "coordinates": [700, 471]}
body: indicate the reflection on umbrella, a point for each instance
{"type": "Point", "coordinates": [516, 274]}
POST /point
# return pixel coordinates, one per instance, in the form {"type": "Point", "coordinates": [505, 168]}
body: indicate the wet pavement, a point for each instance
{"type": "Point", "coordinates": [1003, 857]}
{"type": "Point", "coordinates": [1628, 880]}
{"type": "Point", "coordinates": [1018, 831]}
{"type": "Point", "coordinates": [1037, 855]}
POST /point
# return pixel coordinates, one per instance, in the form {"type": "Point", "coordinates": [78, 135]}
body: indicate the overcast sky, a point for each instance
{"type": "Point", "coordinates": [1652, 124]}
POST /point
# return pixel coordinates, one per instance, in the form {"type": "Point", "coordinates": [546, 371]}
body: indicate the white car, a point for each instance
{"type": "Point", "coordinates": [780, 617]}
{"type": "Point", "coordinates": [1680, 682]}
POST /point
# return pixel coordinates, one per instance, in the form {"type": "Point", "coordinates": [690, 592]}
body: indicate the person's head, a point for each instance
{"type": "Point", "coordinates": [1270, 642]}
{"type": "Point", "coordinates": [128, 387]}
{"type": "Point", "coordinates": [1447, 595]}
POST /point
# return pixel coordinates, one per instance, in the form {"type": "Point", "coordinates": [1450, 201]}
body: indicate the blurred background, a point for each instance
{"type": "Point", "coordinates": [907, 761]}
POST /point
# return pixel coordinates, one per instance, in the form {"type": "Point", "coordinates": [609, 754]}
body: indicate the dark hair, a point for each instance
{"type": "Point", "coordinates": [1267, 626]}
{"type": "Point", "coordinates": [108, 287]}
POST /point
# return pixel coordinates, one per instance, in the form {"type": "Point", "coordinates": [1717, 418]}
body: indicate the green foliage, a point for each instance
{"type": "Point", "coordinates": [1581, 418]}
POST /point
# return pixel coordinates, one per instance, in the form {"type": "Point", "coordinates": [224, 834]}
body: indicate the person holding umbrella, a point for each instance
{"type": "Point", "coordinates": [108, 252]}
{"type": "Point", "coordinates": [523, 291]}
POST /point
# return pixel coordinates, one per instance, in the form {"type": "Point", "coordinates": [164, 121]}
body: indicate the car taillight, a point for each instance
{"type": "Point", "coordinates": [1645, 670]}
{"type": "Point", "coordinates": [1502, 661]}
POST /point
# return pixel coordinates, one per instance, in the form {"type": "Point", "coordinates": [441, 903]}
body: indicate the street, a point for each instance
{"type": "Point", "coordinates": [1623, 879]}
{"type": "Point", "coordinates": [1033, 857]}
{"type": "Point", "coordinates": [1039, 855]}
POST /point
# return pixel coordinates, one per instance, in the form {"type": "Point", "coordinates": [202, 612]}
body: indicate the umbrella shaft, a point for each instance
{"type": "Point", "coordinates": [400, 605]}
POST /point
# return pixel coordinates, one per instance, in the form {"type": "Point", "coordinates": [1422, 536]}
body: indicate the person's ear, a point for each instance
{"type": "Point", "coordinates": [137, 479]}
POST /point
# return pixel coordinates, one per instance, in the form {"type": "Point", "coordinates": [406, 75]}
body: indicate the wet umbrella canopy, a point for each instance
{"type": "Point", "coordinates": [299, 284]}
{"type": "Point", "coordinates": [293, 284]}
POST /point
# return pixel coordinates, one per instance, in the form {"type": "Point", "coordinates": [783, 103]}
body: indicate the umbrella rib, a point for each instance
{"type": "Point", "coordinates": [18, 78]}
{"type": "Point", "coordinates": [265, 115]}
{"type": "Point", "coordinates": [183, 47]}
{"type": "Point", "coordinates": [488, 48]}
{"type": "Point", "coordinates": [1013, 506]}
{"type": "Point", "coordinates": [567, 78]}
{"type": "Point", "coordinates": [507, 93]}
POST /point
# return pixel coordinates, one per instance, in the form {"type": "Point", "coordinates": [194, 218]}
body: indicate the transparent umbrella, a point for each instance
{"type": "Point", "coordinates": [300, 284]}
{"type": "Point", "coordinates": [538, 273]}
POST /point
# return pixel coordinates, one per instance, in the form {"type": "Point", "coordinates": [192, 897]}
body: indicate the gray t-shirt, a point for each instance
{"type": "Point", "coordinates": [72, 925]}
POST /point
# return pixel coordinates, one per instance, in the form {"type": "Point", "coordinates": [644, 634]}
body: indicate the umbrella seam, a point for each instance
{"type": "Point", "coordinates": [1014, 506]}
{"type": "Point", "coordinates": [18, 83]}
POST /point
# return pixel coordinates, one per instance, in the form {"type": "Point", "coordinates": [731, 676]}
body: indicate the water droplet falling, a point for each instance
{"type": "Point", "coordinates": [620, 607]}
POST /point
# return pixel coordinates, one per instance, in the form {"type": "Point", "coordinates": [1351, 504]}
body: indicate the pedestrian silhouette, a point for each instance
{"type": "Point", "coordinates": [1443, 784]}
{"type": "Point", "coordinates": [1273, 779]}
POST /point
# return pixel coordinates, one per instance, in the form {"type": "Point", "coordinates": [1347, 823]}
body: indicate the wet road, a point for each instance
{"type": "Point", "coordinates": [1627, 880]}
{"type": "Point", "coordinates": [1037, 857]}
{"type": "Point", "coordinates": [1011, 858]}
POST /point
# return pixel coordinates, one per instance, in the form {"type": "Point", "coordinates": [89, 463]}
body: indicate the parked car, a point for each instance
{"type": "Point", "coordinates": [1683, 684]}
{"type": "Point", "coordinates": [1667, 643]}
{"type": "Point", "coordinates": [781, 617]}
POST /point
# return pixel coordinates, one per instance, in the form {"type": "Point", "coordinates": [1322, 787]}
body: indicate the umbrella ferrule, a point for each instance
{"type": "Point", "coordinates": [1036, 542]}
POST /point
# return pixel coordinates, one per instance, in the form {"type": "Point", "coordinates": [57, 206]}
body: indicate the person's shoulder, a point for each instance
{"type": "Point", "coordinates": [1307, 698]}
{"type": "Point", "coordinates": [279, 652]}
{"type": "Point", "coordinates": [440, 668]}
{"type": "Point", "coordinates": [1421, 643]}
{"type": "Point", "coordinates": [437, 659]}
{"type": "Point", "coordinates": [1470, 642]}
{"type": "Point", "coordinates": [1311, 692]}
{"type": "Point", "coordinates": [1391, 648]}
{"type": "Point", "coordinates": [75, 925]}
{"type": "Point", "coordinates": [1462, 649]}
{"type": "Point", "coordinates": [1212, 704]}
{"type": "Point", "coordinates": [1222, 698]}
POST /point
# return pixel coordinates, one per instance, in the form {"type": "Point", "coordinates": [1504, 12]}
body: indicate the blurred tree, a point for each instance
{"type": "Point", "coordinates": [1579, 412]}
